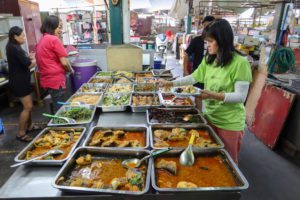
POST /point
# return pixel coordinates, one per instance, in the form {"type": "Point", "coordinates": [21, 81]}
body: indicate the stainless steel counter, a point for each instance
{"type": "Point", "coordinates": [29, 182]}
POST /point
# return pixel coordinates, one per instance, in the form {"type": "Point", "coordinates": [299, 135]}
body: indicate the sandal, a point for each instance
{"type": "Point", "coordinates": [24, 138]}
{"type": "Point", "coordinates": [34, 128]}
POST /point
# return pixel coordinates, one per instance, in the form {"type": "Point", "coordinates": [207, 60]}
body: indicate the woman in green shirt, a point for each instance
{"type": "Point", "coordinates": [226, 75]}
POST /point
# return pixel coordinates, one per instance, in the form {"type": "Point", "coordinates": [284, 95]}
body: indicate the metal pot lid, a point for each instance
{"type": "Point", "coordinates": [84, 63]}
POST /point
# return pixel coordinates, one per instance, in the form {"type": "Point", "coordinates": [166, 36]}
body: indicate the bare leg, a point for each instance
{"type": "Point", "coordinates": [25, 114]}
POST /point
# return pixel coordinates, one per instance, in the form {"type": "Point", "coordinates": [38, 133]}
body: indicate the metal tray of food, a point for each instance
{"type": "Point", "coordinates": [21, 157]}
{"type": "Point", "coordinates": [186, 91]}
{"type": "Point", "coordinates": [143, 108]}
{"type": "Point", "coordinates": [106, 74]}
{"type": "Point", "coordinates": [175, 116]}
{"type": "Point", "coordinates": [116, 136]}
{"type": "Point", "coordinates": [146, 80]}
{"type": "Point", "coordinates": [160, 73]}
{"type": "Point", "coordinates": [205, 143]}
{"type": "Point", "coordinates": [102, 155]}
{"type": "Point", "coordinates": [115, 108]}
{"type": "Point", "coordinates": [86, 101]}
{"type": "Point", "coordinates": [93, 79]}
{"type": "Point", "coordinates": [85, 108]}
{"type": "Point", "coordinates": [145, 87]}
{"type": "Point", "coordinates": [167, 103]}
{"type": "Point", "coordinates": [93, 87]}
{"type": "Point", "coordinates": [143, 74]}
{"type": "Point", "coordinates": [222, 158]}
{"type": "Point", "coordinates": [119, 88]}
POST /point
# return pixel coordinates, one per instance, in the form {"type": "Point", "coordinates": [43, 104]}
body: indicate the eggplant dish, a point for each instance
{"type": "Point", "coordinates": [118, 138]}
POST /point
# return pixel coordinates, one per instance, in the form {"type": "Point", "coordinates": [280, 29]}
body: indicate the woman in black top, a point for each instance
{"type": "Point", "coordinates": [19, 78]}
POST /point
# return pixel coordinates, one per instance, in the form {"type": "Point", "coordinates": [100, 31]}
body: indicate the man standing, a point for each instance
{"type": "Point", "coordinates": [195, 49]}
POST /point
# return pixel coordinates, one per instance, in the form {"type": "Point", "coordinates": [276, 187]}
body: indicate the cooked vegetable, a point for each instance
{"type": "Point", "coordinates": [116, 100]}
{"type": "Point", "coordinates": [80, 114]}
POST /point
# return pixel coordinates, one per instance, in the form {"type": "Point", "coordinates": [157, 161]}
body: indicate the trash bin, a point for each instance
{"type": "Point", "coordinates": [84, 69]}
{"type": "Point", "coordinates": [157, 64]}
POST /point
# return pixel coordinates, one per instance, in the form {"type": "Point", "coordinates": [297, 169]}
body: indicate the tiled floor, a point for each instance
{"type": "Point", "coordinates": [271, 174]}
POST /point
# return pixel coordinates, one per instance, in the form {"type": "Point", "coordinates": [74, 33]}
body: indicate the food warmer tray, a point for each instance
{"type": "Point", "coordinates": [65, 108]}
{"type": "Point", "coordinates": [88, 93]}
{"type": "Point", "coordinates": [211, 132]}
{"type": "Point", "coordinates": [100, 86]}
{"type": "Point", "coordinates": [22, 154]}
{"type": "Point", "coordinates": [119, 84]}
{"type": "Point", "coordinates": [145, 107]}
{"type": "Point", "coordinates": [193, 111]}
{"type": "Point", "coordinates": [158, 73]}
{"type": "Point", "coordinates": [125, 128]}
{"type": "Point", "coordinates": [231, 166]}
{"type": "Point", "coordinates": [174, 106]}
{"type": "Point", "coordinates": [114, 108]}
{"type": "Point", "coordinates": [102, 153]}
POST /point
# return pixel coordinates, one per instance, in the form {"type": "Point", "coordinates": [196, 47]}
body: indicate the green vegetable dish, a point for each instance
{"type": "Point", "coordinates": [79, 114]}
{"type": "Point", "coordinates": [104, 74]}
{"type": "Point", "coordinates": [116, 100]}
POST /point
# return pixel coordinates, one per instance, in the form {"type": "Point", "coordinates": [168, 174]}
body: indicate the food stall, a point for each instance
{"type": "Point", "coordinates": [119, 115]}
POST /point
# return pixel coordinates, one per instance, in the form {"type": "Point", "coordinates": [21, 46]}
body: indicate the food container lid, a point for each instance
{"type": "Point", "coordinates": [84, 63]}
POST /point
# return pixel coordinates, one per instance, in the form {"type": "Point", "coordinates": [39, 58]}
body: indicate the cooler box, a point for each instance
{"type": "Point", "coordinates": [84, 69]}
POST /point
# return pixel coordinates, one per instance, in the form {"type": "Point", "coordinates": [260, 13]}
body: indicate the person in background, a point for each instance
{"type": "Point", "coordinates": [226, 75]}
{"type": "Point", "coordinates": [52, 61]}
{"type": "Point", "coordinates": [19, 79]}
{"type": "Point", "coordinates": [195, 49]}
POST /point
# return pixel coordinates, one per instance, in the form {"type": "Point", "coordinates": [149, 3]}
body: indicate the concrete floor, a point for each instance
{"type": "Point", "coordinates": [272, 175]}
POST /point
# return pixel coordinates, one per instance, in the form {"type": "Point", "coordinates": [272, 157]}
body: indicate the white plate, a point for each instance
{"type": "Point", "coordinates": [197, 93]}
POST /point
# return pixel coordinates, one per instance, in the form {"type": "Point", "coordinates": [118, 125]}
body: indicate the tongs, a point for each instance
{"type": "Point", "coordinates": [123, 75]}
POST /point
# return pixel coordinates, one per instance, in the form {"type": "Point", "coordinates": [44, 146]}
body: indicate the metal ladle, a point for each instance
{"type": "Point", "coordinates": [135, 162]}
{"type": "Point", "coordinates": [48, 153]}
{"type": "Point", "coordinates": [67, 119]}
{"type": "Point", "coordinates": [187, 157]}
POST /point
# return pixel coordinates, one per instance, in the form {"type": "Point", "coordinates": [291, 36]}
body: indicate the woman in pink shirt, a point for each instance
{"type": "Point", "coordinates": [52, 61]}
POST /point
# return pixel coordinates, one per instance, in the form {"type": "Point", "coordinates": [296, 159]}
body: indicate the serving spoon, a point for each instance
{"type": "Point", "coordinates": [79, 103]}
{"type": "Point", "coordinates": [187, 157]}
{"type": "Point", "coordinates": [48, 153]}
{"type": "Point", "coordinates": [67, 119]}
{"type": "Point", "coordinates": [135, 162]}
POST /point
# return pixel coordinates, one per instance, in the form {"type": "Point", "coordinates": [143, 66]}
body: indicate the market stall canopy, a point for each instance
{"type": "Point", "coordinates": [151, 5]}
{"type": "Point", "coordinates": [178, 9]}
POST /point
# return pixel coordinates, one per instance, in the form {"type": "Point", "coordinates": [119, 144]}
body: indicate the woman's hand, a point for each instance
{"type": "Point", "coordinates": [206, 94]}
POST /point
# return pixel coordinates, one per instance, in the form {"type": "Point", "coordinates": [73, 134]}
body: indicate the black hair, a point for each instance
{"type": "Point", "coordinates": [14, 31]}
{"type": "Point", "coordinates": [49, 25]}
{"type": "Point", "coordinates": [208, 18]}
{"type": "Point", "coordinates": [221, 31]}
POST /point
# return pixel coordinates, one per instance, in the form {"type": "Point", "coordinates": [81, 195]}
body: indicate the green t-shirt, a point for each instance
{"type": "Point", "coordinates": [228, 116]}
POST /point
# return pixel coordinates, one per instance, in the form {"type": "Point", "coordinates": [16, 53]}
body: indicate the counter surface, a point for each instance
{"type": "Point", "coordinates": [29, 182]}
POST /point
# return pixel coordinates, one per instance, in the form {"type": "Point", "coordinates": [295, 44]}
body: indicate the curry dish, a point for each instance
{"type": "Point", "coordinates": [54, 139]}
{"type": "Point", "coordinates": [104, 174]}
{"type": "Point", "coordinates": [101, 80]}
{"type": "Point", "coordinates": [91, 99]}
{"type": "Point", "coordinates": [179, 137]}
{"type": "Point", "coordinates": [207, 171]}
{"type": "Point", "coordinates": [118, 138]}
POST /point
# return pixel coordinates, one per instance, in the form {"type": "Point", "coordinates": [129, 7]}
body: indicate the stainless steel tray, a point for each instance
{"type": "Point", "coordinates": [145, 107]}
{"type": "Point", "coordinates": [20, 157]}
{"type": "Point", "coordinates": [178, 110]}
{"type": "Point", "coordinates": [231, 166]}
{"type": "Point", "coordinates": [211, 132]}
{"type": "Point", "coordinates": [115, 108]}
{"type": "Point", "coordinates": [98, 80]}
{"type": "Point", "coordinates": [152, 84]}
{"type": "Point", "coordinates": [100, 94]}
{"type": "Point", "coordinates": [157, 73]}
{"type": "Point", "coordinates": [65, 108]}
{"type": "Point", "coordinates": [102, 153]}
{"type": "Point", "coordinates": [145, 80]}
{"type": "Point", "coordinates": [100, 87]}
{"type": "Point", "coordinates": [125, 128]}
{"type": "Point", "coordinates": [168, 105]}
{"type": "Point", "coordinates": [125, 84]}
{"type": "Point", "coordinates": [100, 74]}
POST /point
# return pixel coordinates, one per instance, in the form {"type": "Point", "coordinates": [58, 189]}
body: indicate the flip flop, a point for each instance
{"type": "Point", "coordinates": [34, 128]}
{"type": "Point", "coordinates": [24, 138]}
